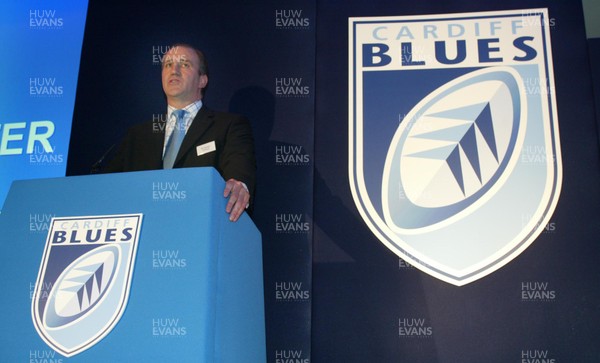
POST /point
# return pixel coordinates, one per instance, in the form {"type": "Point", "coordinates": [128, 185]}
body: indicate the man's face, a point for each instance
{"type": "Point", "coordinates": [180, 78]}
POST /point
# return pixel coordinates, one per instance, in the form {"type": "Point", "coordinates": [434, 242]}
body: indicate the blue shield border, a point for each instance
{"type": "Point", "coordinates": [457, 254]}
{"type": "Point", "coordinates": [75, 334]}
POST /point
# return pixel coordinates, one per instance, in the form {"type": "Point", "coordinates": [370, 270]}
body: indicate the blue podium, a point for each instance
{"type": "Point", "coordinates": [129, 267]}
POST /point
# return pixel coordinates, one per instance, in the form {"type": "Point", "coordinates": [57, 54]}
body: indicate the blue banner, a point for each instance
{"type": "Point", "coordinates": [41, 44]}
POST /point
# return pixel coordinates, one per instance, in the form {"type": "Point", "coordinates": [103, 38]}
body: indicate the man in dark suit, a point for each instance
{"type": "Point", "coordinates": [206, 137]}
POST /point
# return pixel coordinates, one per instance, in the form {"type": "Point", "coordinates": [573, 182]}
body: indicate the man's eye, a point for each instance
{"type": "Point", "coordinates": [168, 64]}
{"type": "Point", "coordinates": [185, 65]}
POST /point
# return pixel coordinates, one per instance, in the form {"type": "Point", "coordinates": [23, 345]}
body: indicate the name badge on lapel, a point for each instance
{"type": "Point", "coordinates": [205, 148]}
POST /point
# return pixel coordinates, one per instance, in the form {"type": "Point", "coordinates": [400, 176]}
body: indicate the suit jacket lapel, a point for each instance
{"type": "Point", "coordinates": [203, 120]}
{"type": "Point", "coordinates": [155, 140]}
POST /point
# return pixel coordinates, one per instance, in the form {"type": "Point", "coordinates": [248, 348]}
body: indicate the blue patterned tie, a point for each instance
{"type": "Point", "coordinates": [175, 140]}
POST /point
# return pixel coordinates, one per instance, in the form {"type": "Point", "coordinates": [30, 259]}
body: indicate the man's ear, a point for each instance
{"type": "Point", "coordinates": [203, 81]}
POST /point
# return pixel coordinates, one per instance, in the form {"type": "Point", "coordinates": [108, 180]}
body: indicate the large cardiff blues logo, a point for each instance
{"type": "Point", "coordinates": [454, 147]}
{"type": "Point", "coordinates": [84, 279]}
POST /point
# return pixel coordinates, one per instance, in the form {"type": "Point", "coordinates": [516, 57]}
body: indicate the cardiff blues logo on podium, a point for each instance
{"type": "Point", "coordinates": [444, 112]}
{"type": "Point", "coordinates": [84, 279]}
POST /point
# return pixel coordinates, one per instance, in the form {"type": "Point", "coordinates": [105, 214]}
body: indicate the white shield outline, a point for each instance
{"type": "Point", "coordinates": [81, 336]}
{"type": "Point", "coordinates": [396, 243]}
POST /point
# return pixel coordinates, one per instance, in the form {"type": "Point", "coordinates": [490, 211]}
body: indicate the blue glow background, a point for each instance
{"type": "Point", "coordinates": [38, 52]}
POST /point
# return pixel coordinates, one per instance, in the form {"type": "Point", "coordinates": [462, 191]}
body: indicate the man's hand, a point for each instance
{"type": "Point", "coordinates": [239, 197]}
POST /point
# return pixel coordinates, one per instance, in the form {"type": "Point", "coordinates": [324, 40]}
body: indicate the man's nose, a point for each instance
{"type": "Point", "coordinates": [176, 68]}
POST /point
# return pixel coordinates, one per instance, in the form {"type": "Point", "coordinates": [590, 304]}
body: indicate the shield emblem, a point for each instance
{"type": "Point", "coordinates": [84, 279]}
{"type": "Point", "coordinates": [453, 137]}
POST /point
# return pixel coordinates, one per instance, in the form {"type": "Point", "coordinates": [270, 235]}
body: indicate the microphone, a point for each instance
{"type": "Point", "coordinates": [97, 166]}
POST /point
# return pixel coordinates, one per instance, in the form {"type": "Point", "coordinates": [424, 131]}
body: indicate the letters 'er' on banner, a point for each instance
{"type": "Point", "coordinates": [454, 153]}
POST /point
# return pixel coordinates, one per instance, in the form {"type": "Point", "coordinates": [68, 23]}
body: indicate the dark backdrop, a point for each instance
{"type": "Point", "coordinates": [361, 290]}
{"type": "Point", "coordinates": [252, 48]}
